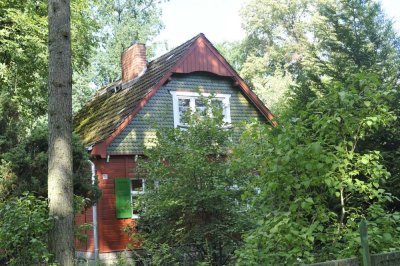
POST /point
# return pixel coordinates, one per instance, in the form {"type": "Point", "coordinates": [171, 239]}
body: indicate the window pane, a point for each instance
{"type": "Point", "coordinates": [137, 184]}
{"type": "Point", "coordinates": [217, 107]}
{"type": "Point", "coordinates": [200, 107]}
{"type": "Point", "coordinates": [184, 107]}
{"type": "Point", "coordinates": [217, 104]}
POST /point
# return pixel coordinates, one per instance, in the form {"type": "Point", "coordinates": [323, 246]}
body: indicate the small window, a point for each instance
{"type": "Point", "coordinates": [184, 102]}
{"type": "Point", "coordinates": [137, 188]}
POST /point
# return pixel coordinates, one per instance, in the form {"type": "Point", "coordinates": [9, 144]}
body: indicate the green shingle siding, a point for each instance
{"type": "Point", "coordinates": [158, 111]}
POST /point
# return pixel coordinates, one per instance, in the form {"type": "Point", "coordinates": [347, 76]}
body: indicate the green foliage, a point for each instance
{"type": "Point", "coordinates": [8, 180]}
{"type": "Point", "coordinates": [191, 211]}
{"type": "Point", "coordinates": [24, 225]}
{"type": "Point", "coordinates": [121, 23]}
{"type": "Point", "coordinates": [80, 230]}
{"type": "Point", "coordinates": [24, 229]}
{"type": "Point", "coordinates": [25, 167]}
{"type": "Point", "coordinates": [315, 182]}
{"type": "Point", "coordinates": [233, 52]}
{"type": "Point", "coordinates": [275, 45]}
{"type": "Point", "coordinates": [23, 49]}
{"type": "Point", "coordinates": [354, 36]}
{"type": "Point", "coordinates": [292, 44]}
{"type": "Point", "coordinates": [23, 92]}
{"type": "Point", "coordinates": [331, 70]}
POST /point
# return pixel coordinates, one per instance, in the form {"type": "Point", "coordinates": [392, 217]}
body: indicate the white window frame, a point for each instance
{"type": "Point", "coordinates": [176, 95]}
{"type": "Point", "coordinates": [136, 193]}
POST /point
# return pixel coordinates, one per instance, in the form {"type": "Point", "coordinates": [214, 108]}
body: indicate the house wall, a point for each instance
{"type": "Point", "coordinates": [111, 235]}
{"type": "Point", "coordinates": [85, 217]}
{"type": "Point", "coordinates": [141, 131]}
{"type": "Point", "coordinates": [110, 229]}
{"type": "Point", "coordinates": [158, 112]}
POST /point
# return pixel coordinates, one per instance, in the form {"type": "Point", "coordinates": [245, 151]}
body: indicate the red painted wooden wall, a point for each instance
{"type": "Point", "coordinates": [202, 58]}
{"type": "Point", "coordinates": [86, 217]}
{"type": "Point", "coordinates": [110, 229]}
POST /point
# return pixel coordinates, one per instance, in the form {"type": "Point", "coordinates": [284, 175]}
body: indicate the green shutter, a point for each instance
{"type": "Point", "coordinates": [123, 198]}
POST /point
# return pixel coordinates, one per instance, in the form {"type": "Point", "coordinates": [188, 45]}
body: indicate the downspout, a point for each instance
{"type": "Point", "coordinates": [94, 208]}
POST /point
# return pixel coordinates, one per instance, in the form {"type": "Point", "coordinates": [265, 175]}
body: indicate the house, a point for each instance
{"type": "Point", "coordinates": [119, 122]}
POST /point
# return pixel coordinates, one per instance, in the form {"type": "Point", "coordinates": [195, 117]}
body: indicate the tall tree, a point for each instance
{"type": "Point", "coordinates": [23, 80]}
{"type": "Point", "coordinates": [121, 23]}
{"type": "Point", "coordinates": [293, 47]}
{"type": "Point", "coordinates": [315, 180]}
{"type": "Point", "coordinates": [276, 43]}
{"type": "Point", "coordinates": [23, 53]}
{"type": "Point", "coordinates": [60, 190]}
{"type": "Point", "coordinates": [329, 163]}
{"type": "Point", "coordinates": [124, 22]}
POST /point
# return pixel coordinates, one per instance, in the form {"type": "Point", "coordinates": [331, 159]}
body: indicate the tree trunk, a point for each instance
{"type": "Point", "coordinates": [60, 189]}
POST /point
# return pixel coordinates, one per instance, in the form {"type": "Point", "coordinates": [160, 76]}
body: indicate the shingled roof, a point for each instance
{"type": "Point", "coordinates": [115, 105]}
{"type": "Point", "coordinates": [100, 117]}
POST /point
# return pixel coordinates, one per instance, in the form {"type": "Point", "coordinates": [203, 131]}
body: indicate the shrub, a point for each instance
{"type": "Point", "coordinates": [24, 225]}
{"type": "Point", "coordinates": [191, 212]}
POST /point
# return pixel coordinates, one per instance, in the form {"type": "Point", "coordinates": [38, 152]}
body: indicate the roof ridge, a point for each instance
{"type": "Point", "coordinates": [98, 94]}
{"type": "Point", "coordinates": [104, 117]}
{"type": "Point", "coordinates": [177, 47]}
{"type": "Point", "coordinates": [98, 107]}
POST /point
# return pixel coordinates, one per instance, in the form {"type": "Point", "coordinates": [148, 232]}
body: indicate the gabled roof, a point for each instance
{"type": "Point", "coordinates": [103, 118]}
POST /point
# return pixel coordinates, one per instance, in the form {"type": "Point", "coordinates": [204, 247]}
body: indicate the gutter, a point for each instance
{"type": "Point", "coordinates": [94, 208]}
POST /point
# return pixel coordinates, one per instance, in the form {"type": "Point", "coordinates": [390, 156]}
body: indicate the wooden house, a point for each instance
{"type": "Point", "coordinates": [119, 122]}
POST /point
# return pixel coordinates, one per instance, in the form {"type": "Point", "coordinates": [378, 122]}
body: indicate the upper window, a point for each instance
{"type": "Point", "coordinates": [184, 102]}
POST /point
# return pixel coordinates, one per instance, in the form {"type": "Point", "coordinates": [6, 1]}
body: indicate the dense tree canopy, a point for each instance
{"type": "Point", "coordinates": [315, 182]}
{"type": "Point", "coordinates": [293, 47]}
{"type": "Point", "coordinates": [23, 90]}
{"type": "Point", "coordinates": [23, 50]}
{"type": "Point", "coordinates": [121, 23]}
{"type": "Point", "coordinates": [330, 161]}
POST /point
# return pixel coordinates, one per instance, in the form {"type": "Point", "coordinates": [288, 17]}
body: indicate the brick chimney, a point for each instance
{"type": "Point", "coordinates": [133, 61]}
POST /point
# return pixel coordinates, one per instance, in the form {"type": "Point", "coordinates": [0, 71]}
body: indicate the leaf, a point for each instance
{"type": "Point", "coordinates": [364, 160]}
{"type": "Point", "coordinates": [387, 236]}
{"type": "Point", "coordinates": [342, 95]}
{"type": "Point", "coordinates": [315, 147]}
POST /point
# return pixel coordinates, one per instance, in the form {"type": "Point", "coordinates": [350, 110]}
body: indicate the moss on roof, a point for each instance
{"type": "Point", "coordinates": [99, 118]}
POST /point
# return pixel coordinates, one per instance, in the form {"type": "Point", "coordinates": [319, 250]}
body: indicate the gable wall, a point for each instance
{"type": "Point", "coordinates": [158, 111]}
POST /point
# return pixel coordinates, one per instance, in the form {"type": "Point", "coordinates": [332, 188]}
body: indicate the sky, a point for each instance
{"type": "Point", "coordinates": [219, 20]}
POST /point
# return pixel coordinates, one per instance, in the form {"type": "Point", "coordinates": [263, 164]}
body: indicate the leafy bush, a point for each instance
{"type": "Point", "coordinates": [192, 211]}
{"type": "Point", "coordinates": [26, 162]}
{"type": "Point", "coordinates": [24, 226]}
{"type": "Point", "coordinates": [316, 182]}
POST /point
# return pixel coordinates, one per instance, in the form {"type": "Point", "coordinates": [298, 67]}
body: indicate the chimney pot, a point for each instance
{"type": "Point", "coordinates": [133, 61]}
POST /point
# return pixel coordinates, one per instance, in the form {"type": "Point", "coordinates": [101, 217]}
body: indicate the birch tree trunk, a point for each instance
{"type": "Point", "coordinates": [60, 189]}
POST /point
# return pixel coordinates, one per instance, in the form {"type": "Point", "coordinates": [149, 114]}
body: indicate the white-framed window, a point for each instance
{"type": "Point", "coordinates": [137, 188]}
{"type": "Point", "coordinates": [184, 101]}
